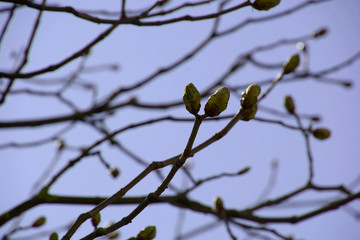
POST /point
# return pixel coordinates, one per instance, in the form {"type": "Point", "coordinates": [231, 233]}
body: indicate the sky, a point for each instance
{"type": "Point", "coordinates": [140, 51]}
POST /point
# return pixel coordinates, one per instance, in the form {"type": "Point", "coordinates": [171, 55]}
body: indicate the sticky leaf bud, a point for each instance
{"type": "Point", "coordinates": [113, 235]}
{"type": "Point", "coordinates": [289, 104]}
{"type": "Point", "coordinates": [147, 233]}
{"type": "Point", "coordinates": [253, 90]}
{"type": "Point", "coordinates": [95, 220]}
{"type": "Point", "coordinates": [291, 64]}
{"type": "Point", "coordinates": [114, 172]}
{"type": "Point", "coordinates": [217, 102]}
{"type": "Point", "coordinates": [321, 133]}
{"type": "Point", "coordinates": [249, 96]}
{"type": "Point", "coordinates": [219, 205]}
{"type": "Point", "coordinates": [248, 114]}
{"type": "Point", "coordinates": [39, 222]}
{"type": "Point", "coordinates": [54, 236]}
{"type": "Point", "coordinates": [192, 98]}
{"type": "Point", "coordinates": [264, 5]}
{"type": "Point", "coordinates": [320, 33]}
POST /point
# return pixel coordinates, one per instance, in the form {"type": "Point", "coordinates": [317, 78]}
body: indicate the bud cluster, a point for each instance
{"type": "Point", "coordinates": [249, 101]}
{"type": "Point", "coordinates": [216, 103]}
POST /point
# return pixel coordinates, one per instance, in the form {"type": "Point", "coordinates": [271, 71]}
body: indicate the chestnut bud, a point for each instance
{"type": "Point", "coordinates": [39, 222]}
{"type": "Point", "coordinates": [147, 233]}
{"type": "Point", "coordinates": [95, 220]}
{"type": "Point", "coordinates": [321, 133]}
{"type": "Point", "coordinates": [192, 98]}
{"type": "Point", "coordinates": [291, 64]}
{"type": "Point", "coordinates": [54, 236]}
{"type": "Point", "coordinates": [289, 104]}
{"type": "Point", "coordinates": [219, 205]}
{"type": "Point", "coordinates": [217, 102]}
{"type": "Point", "coordinates": [248, 114]}
{"type": "Point", "coordinates": [264, 5]}
{"type": "Point", "coordinates": [249, 96]}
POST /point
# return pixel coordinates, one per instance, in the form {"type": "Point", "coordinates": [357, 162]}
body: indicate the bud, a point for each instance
{"type": "Point", "coordinates": [60, 144]}
{"type": "Point", "coordinates": [320, 33]}
{"type": "Point", "coordinates": [217, 102]}
{"type": "Point", "coordinates": [321, 133]}
{"type": "Point", "coordinates": [54, 236]}
{"type": "Point", "coordinates": [192, 98]}
{"type": "Point", "coordinates": [95, 220]}
{"type": "Point", "coordinates": [253, 90]}
{"type": "Point", "coordinates": [219, 205]}
{"type": "Point", "coordinates": [249, 96]}
{"type": "Point", "coordinates": [316, 118]}
{"type": "Point", "coordinates": [114, 172]}
{"type": "Point", "coordinates": [39, 222]}
{"type": "Point", "coordinates": [347, 84]}
{"type": "Point", "coordinates": [291, 64]}
{"type": "Point", "coordinates": [289, 104]}
{"type": "Point", "coordinates": [245, 170]}
{"type": "Point", "coordinates": [248, 114]}
{"type": "Point", "coordinates": [113, 235]}
{"type": "Point", "coordinates": [147, 233]}
{"type": "Point", "coordinates": [265, 4]}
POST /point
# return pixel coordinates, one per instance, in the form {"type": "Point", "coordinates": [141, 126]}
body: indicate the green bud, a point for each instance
{"type": "Point", "coordinates": [95, 220]}
{"type": "Point", "coordinates": [264, 5]}
{"type": "Point", "coordinates": [289, 104]}
{"type": "Point", "coordinates": [39, 222]}
{"type": "Point", "coordinates": [248, 114]}
{"type": "Point", "coordinates": [249, 96]}
{"type": "Point", "coordinates": [321, 133]}
{"type": "Point", "coordinates": [253, 90]}
{"type": "Point", "coordinates": [54, 236]}
{"type": "Point", "coordinates": [320, 33]}
{"type": "Point", "coordinates": [217, 102]}
{"type": "Point", "coordinates": [291, 64]}
{"type": "Point", "coordinates": [219, 205]}
{"type": "Point", "coordinates": [245, 170]}
{"type": "Point", "coordinates": [192, 98]}
{"type": "Point", "coordinates": [113, 235]}
{"type": "Point", "coordinates": [147, 233]}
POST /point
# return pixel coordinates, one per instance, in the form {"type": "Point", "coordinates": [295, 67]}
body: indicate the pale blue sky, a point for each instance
{"type": "Point", "coordinates": [141, 51]}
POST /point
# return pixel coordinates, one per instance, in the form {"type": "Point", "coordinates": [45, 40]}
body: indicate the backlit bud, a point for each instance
{"type": "Point", "coordinates": [39, 222]}
{"type": "Point", "coordinates": [147, 233]}
{"type": "Point", "coordinates": [54, 236]}
{"type": "Point", "coordinates": [265, 4]}
{"type": "Point", "coordinates": [114, 172]}
{"type": "Point", "coordinates": [219, 205]}
{"type": "Point", "coordinates": [217, 102]}
{"type": "Point", "coordinates": [289, 104]}
{"type": "Point", "coordinates": [95, 220]}
{"type": "Point", "coordinates": [321, 133]}
{"type": "Point", "coordinates": [248, 114]}
{"type": "Point", "coordinates": [291, 64]}
{"type": "Point", "coordinates": [253, 90]}
{"type": "Point", "coordinates": [192, 98]}
{"type": "Point", "coordinates": [249, 96]}
{"type": "Point", "coordinates": [113, 235]}
{"type": "Point", "coordinates": [320, 33]}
